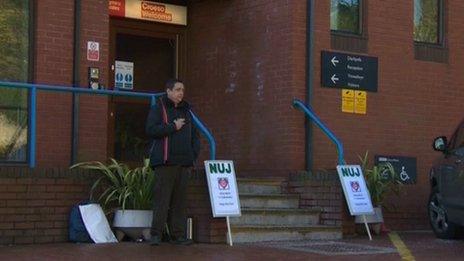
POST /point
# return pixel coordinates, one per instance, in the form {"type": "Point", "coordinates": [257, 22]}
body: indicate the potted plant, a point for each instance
{"type": "Point", "coordinates": [380, 180]}
{"type": "Point", "coordinates": [127, 192]}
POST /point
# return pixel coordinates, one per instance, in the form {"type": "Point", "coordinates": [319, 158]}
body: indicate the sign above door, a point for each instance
{"type": "Point", "coordinates": [148, 10]}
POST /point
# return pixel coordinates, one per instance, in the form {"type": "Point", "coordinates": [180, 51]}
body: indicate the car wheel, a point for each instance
{"type": "Point", "coordinates": [439, 219]}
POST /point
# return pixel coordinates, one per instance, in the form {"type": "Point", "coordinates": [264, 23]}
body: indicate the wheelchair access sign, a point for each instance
{"type": "Point", "coordinates": [354, 187]}
{"type": "Point", "coordinates": [405, 167]}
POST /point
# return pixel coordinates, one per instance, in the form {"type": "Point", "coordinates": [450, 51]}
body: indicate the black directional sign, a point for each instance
{"type": "Point", "coordinates": [405, 167]}
{"type": "Point", "coordinates": [349, 71]}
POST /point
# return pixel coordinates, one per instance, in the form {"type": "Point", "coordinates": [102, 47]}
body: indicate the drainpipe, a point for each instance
{"type": "Point", "coordinates": [76, 82]}
{"type": "Point", "coordinates": [309, 81]}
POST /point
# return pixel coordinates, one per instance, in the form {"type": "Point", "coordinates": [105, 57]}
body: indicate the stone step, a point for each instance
{"type": "Point", "coordinates": [259, 185]}
{"type": "Point", "coordinates": [245, 234]}
{"type": "Point", "coordinates": [269, 200]}
{"type": "Point", "coordinates": [274, 217]}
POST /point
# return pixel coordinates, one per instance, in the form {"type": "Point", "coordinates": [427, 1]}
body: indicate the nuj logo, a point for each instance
{"type": "Point", "coordinates": [351, 172]}
{"type": "Point", "coordinates": [220, 168]}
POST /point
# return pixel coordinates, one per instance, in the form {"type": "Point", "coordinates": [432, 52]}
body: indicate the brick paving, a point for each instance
{"type": "Point", "coordinates": [423, 245]}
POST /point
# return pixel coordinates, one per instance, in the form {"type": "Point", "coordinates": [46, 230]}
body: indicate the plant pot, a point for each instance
{"type": "Point", "coordinates": [134, 223]}
{"type": "Point", "coordinates": [377, 217]}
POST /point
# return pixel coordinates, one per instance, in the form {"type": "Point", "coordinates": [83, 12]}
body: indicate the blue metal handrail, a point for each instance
{"type": "Point", "coordinates": [207, 134]}
{"type": "Point", "coordinates": [311, 114]}
{"type": "Point", "coordinates": [42, 87]}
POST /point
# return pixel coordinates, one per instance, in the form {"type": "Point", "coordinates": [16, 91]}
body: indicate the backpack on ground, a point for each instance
{"type": "Point", "coordinates": [77, 231]}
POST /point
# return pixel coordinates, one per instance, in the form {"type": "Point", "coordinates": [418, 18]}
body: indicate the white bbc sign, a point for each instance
{"type": "Point", "coordinates": [355, 189]}
{"type": "Point", "coordinates": [222, 186]}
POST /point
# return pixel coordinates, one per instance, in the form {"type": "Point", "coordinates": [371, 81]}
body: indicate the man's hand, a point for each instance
{"type": "Point", "coordinates": [180, 122]}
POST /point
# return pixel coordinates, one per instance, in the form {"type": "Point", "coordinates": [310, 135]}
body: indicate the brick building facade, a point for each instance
{"type": "Point", "coordinates": [244, 62]}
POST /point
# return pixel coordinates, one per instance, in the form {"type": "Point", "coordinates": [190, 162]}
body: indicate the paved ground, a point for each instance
{"type": "Point", "coordinates": [417, 245]}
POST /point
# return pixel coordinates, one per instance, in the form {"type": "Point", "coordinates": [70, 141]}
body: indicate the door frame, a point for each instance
{"type": "Point", "coordinates": [142, 28]}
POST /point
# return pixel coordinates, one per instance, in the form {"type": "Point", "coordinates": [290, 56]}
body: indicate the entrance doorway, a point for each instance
{"type": "Point", "coordinates": [156, 53]}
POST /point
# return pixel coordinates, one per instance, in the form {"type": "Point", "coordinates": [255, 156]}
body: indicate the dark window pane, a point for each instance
{"type": "Point", "coordinates": [14, 60]}
{"type": "Point", "coordinates": [344, 16]}
{"type": "Point", "coordinates": [426, 21]}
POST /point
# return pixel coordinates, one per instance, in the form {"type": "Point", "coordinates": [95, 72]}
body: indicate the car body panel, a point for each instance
{"type": "Point", "coordinates": [448, 175]}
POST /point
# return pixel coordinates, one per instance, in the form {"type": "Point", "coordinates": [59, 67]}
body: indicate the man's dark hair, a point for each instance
{"type": "Point", "coordinates": [171, 82]}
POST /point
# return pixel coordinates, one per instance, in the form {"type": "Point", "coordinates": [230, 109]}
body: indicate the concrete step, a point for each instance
{"type": "Point", "coordinates": [274, 217]}
{"type": "Point", "coordinates": [269, 200]}
{"type": "Point", "coordinates": [245, 234]}
{"type": "Point", "coordinates": [259, 185]}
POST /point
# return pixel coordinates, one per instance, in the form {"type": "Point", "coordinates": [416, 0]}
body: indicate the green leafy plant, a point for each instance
{"type": "Point", "coordinates": [380, 179]}
{"type": "Point", "coordinates": [121, 185]}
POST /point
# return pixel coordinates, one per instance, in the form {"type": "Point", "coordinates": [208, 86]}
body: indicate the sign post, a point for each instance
{"type": "Point", "coordinates": [356, 193]}
{"type": "Point", "coordinates": [349, 71]}
{"type": "Point", "coordinates": [223, 191]}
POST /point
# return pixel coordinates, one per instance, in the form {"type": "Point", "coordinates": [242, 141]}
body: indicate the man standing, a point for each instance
{"type": "Point", "coordinates": [174, 149]}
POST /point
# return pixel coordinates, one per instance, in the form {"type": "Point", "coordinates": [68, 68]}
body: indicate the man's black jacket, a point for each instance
{"type": "Point", "coordinates": [181, 146]}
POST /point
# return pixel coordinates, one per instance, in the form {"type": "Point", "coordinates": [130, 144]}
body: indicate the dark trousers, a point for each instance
{"type": "Point", "coordinates": [170, 200]}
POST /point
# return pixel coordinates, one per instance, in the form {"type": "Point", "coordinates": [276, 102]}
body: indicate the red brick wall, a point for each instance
{"type": "Point", "coordinates": [35, 205]}
{"type": "Point", "coordinates": [206, 229]}
{"type": "Point", "coordinates": [322, 191]}
{"type": "Point", "coordinates": [54, 65]}
{"type": "Point", "coordinates": [247, 61]}
{"type": "Point", "coordinates": [242, 76]}
{"type": "Point", "coordinates": [416, 100]}
{"type": "Point", "coordinates": [317, 192]}
{"type": "Point", "coordinates": [93, 114]}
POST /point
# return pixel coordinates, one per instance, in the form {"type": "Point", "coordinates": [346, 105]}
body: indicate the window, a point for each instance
{"type": "Point", "coordinates": [345, 16]}
{"type": "Point", "coordinates": [14, 66]}
{"type": "Point", "coordinates": [427, 21]}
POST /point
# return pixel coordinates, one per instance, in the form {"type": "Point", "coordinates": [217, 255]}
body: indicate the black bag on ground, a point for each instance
{"type": "Point", "coordinates": [77, 231]}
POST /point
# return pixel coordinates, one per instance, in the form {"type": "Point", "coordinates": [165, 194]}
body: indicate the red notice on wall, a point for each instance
{"type": "Point", "coordinates": [93, 51]}
{"type": "Point", "coordinates": [117, 8]}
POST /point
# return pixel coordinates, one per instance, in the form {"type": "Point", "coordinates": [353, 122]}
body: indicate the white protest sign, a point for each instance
{"type": "Point", "coordinates": [355, 189]}
{"type": "Point", "coordinates": [222, 186]}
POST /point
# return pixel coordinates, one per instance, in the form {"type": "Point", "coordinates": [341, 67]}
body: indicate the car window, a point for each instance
{"type": "Point", "coordinates": [457, 141]}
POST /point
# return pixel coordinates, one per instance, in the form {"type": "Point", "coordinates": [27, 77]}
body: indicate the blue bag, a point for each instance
{"type": "Point", "coordinates": [77, 231]}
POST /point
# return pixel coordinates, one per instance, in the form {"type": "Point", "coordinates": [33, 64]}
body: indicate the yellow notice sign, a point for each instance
{"type": "Point", "coordinates": [360, 101]}
{"type": "Point", "coordinates": [348, 100]}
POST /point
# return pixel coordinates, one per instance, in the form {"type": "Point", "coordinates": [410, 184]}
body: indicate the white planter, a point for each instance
{"type": "Point", "coordinates": [377, 217]}
{"type": "Point", "coordinates": [134, 223]}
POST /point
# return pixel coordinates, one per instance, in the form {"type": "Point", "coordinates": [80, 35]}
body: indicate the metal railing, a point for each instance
{"type": "Point", "coordinates": [33, 88]}
{"type": "Point", "coordinates": [312, 115]}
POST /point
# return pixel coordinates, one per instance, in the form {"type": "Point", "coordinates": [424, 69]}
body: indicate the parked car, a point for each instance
{"type": "Point", "coordinates": [446, 202]}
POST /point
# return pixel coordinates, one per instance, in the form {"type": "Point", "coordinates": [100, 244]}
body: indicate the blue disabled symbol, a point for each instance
{"type": "Point", "coordinates": [119, 77]}
{"type": "Point", "coordinates": [128, 78]}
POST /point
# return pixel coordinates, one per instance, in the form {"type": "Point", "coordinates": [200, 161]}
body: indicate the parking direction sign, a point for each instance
{"type": "Point", "coordinates": [349, 71]}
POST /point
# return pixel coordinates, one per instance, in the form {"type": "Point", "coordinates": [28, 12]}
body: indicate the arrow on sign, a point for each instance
{"type": "Point", "coordinates": [334, 78]}
{"type": "Point", "coordinates": [334, 61]}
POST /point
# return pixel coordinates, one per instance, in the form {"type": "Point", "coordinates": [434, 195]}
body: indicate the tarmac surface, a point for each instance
{"type": "Point", "coordinates": [417, 245]}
